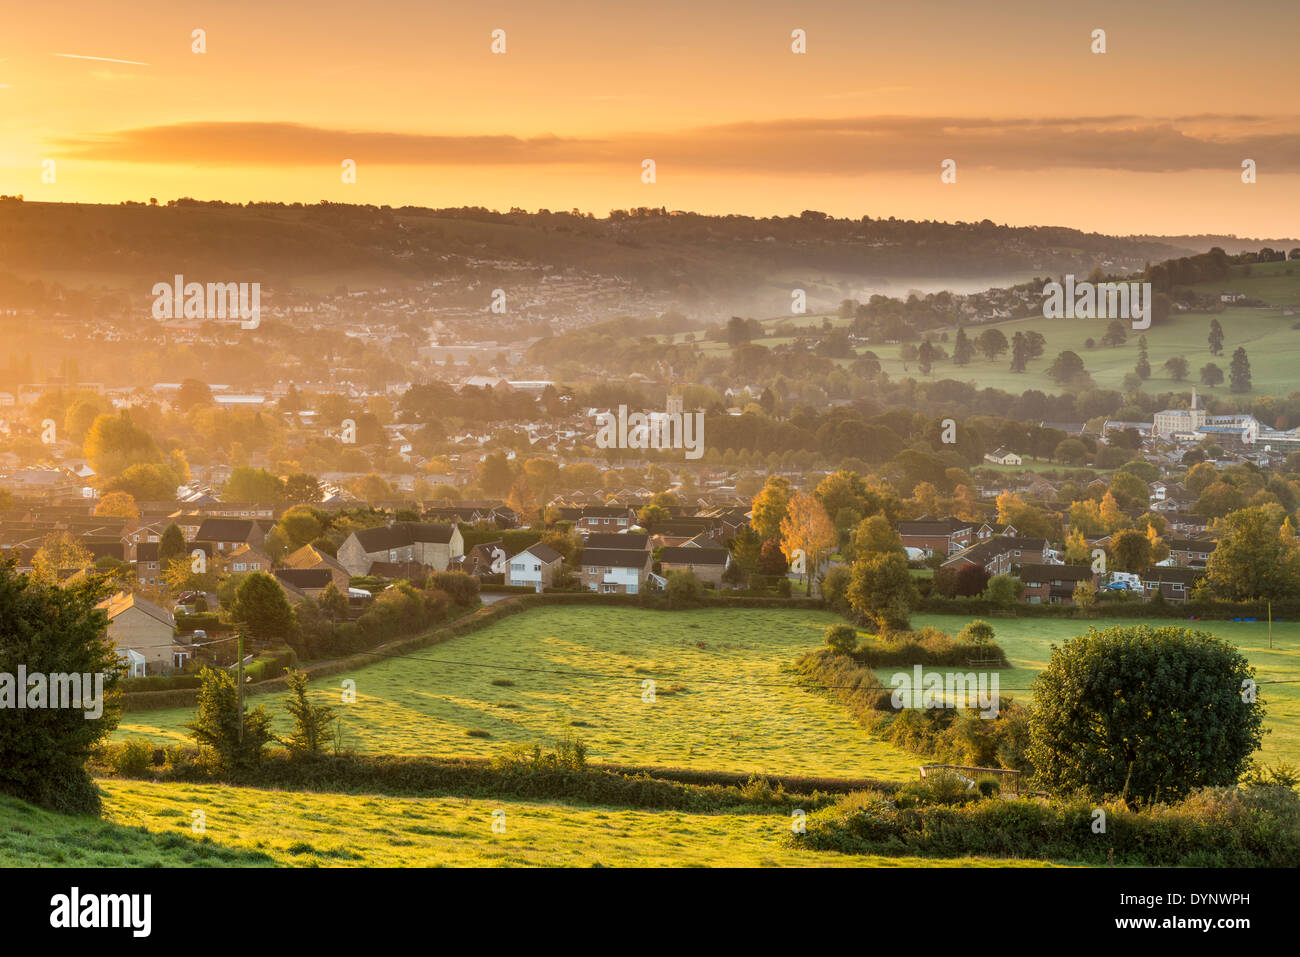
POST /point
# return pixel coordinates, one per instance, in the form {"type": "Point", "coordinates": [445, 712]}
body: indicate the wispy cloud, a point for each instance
{"type": "Point", "coordinates": [102, 59]}
{"type": "Point", "coordinates": [798, 146]}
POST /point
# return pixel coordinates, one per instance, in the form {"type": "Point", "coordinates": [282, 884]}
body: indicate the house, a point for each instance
{"type": "Point", "coordinates": [1052, 584]}
{"type": "Point", "coordinates": [424, 543]}
{"type": "Point", "coordinates": [227, 534]}
{"type": "Point", "coordinates": [140, 626]}
{"type": "Point", "coordinates": [311, 557]}
{"type": "Point", "coordinates": [480, 559]}
{"type": "Point", "coordinates": [606, 518]}
{"type": "Point", "coordinates": [245, 560]}
{"type": "Point", "coordinates": [944, 536]}
{"type": "Point", "coordinates": [706, 564]}
{"type": "Point", "coordinates": [991, 529]}
{"type": "Point", "coordinates": [999, 555]}
{"type": "Point", "coordinates": [1190, 552]}
{"type": "Point", "coordinates": [1003, 456]}
{"type": "Point", "coordinates": [615, 570]}
{"type": "Point", "coordinates": [536, 566]}
{"type": "Point", "coordinates": [1173, 584]}
{"type": "Point", "coordinates": [309, 582]}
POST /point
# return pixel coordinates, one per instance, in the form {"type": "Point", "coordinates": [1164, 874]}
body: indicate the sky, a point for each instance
{"type": "Point", "coordinates": [1147, 137]}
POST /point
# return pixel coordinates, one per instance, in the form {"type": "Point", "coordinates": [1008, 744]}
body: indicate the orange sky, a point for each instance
{"type": "Point", "coordinates": [1148, 137]}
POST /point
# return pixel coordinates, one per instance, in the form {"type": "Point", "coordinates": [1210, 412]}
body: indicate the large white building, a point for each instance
{"type": "Point", "coordinates": [1171, 422]}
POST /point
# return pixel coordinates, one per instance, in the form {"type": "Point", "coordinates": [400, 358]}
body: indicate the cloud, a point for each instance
{"type": "Point", "coordinates": [101, 59]}
{"type": "Point", "coordinates": [797, 146]}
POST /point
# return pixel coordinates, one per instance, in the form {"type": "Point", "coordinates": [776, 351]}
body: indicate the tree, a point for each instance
{"type": "Point", "coordinates": [261, 608]}
{"type": "Point", "coordinates": [1077, 550]}
{"type": "Point", "coordinates": [769, 507]}
{"type": "Point", "coordinates": [1116, 334]}
{"type": "Point", "coordinates": [1253, 559]}
{"type": "Point", "coordinates": [171, 545]}
{"type": "Point", "coordinates": [59, 555]}
{"type": "Point", "coordinates": [248, 484]}
{"type": "Point", "coordinates": [118, 505]}
{"type": "Point", "coordinates": [302, 489]}
{"type": "Point", "coordinates": [1143, 367]}
{"type": "Point", "coordinates": [876, 536]}
{"type": "Point", "coordinates": [682, 588]}
{"type": "Point", "coordinates": [925, 357]}
{"type": "Point", "coordinates": [881, 590]}
{"type": "Point", "coordinates": [191, 393]}
{"type": "Point", "coordinates": [992, 342]}
{"type": "Point", "coordinates": [962, 350]}
{"type": "Point", "coordinates": [115, 442]}
{"type": "Point", "coordinates": [1239, 371]}
{"type": "Point", "coordinates": [495, 475]}
{"type": "Point", "coordinates": [1211, 375]}
{"type": "Point", "coordinates": [1066, 366]}
{"type": "Point", "coordinates": [978, 632]}
{"type": "Point", "coordinates": [1130, 551]}
{"type": "Point", "coordinates": [1019, 352]}
{"type": "Point", "coordinates": [146, 483]}
{"type": "Point", "coordinates": [1085, 594]}
{"type": "Point", "coordinates": [1129, 490]}
{"type": "Point", "coordinates": [1216, 338]}
{"type": "Point", "coordinates": [1003, 589]}
{"type": "Point", "coordinates": [334, 603]}
{"type": "Point", "coordinates": [1144, 713]}
{"type": "Point", "coordinates": [1177, 368]}
{"type": "Point", "coordinates": [310, 722]}
{"type": "Point", "coordinates": [808, 529]}
{"type": "Point", "coordinates": [300, 525]}
{"type": "Point", "coordinates": [53, 631]}
{"type": "Point", "coordinates": [217, 725]}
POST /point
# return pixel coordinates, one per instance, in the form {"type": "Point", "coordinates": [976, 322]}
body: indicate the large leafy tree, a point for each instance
{"type": "Point", "coordinates": [261, 608]}
{"type": "Point", "coordinates": [1254, 557]}
{"type": "Point", "coordinates": [53, 631]}
{"type": "Point", "coordinates": [769, 507]}
{"type": "Point", "coordinates": [1146, 713]}
{"type": "Point", "coordinates": [808, 529]}
{"type": "Point", "coordinates": [881, 590]}
{"type": "Point", "coordinates": [1239, 371]}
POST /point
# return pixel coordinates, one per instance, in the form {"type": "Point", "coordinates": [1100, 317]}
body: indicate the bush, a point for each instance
{"type": "Point", "coordinates": [133, 757]}
{"type": "Point", "coordinates": [461, 586]}
{"type": "Point", "coordinates": [842, 639]}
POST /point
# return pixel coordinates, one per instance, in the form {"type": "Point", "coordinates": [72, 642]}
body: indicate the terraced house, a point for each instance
{"type": "Point", "coordinates": [421, 543]}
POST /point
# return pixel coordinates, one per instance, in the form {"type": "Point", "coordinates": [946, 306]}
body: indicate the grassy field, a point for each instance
{"type": "Point", "coordinates": [1027, 642]}
{"type": "Point", "coordinates": [722, 701]}
{"type": "Point", "coordinates": [1271, 344]}
{"type": "Point", "coordinates": [150, 825]}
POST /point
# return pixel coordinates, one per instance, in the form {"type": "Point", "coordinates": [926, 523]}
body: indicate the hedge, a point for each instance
{"type": "Point", "coordinates": [1283, 610]}
{"type": "Point", "coordinates": [208, 621]}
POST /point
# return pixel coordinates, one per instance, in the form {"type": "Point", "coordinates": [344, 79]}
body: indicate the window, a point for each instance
{"type": "Point", "coordinates": [608, 588]}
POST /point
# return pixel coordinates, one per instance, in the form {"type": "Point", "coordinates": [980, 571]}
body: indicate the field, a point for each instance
{"type": "Point", "coordinates": [722, 701]}
{"type": "Point", "coordinates": [1271, 344]}
{"type": "Point", "coordinates": [148, 824]}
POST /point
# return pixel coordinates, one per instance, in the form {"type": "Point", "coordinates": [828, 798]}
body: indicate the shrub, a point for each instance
{"type": "Point", "coordinates": [978, 632]}
{"type": "Point", "coordinates": [842, 639]}
{"type": "Point", "coordinates": [461, 586]}
{"type": "Point", "coordinates": [216, 725]}
{"type": "Point", "coordinates": [311, 723]}
{"type": "Point", "coordinates": [133, 757]}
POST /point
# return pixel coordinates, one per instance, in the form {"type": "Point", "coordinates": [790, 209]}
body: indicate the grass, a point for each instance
{"type": "Point", "coordinates": [1027, 643]}
{"type": "Point", "coordinates": [149, 824]}
{"type": "Point", "coordinates": [721, 699]}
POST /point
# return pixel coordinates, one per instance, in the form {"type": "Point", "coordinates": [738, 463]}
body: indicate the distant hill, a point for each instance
{"type": "Point", "coordinates": [685, 254]}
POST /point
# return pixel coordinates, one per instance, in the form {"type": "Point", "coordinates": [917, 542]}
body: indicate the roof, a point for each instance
{"type": "Point", "coordinates": [1036, 571]}
{"type": "Point", "coordinates": [541, 550]}
{"type": "Point", "coordinates": [125, 601]}
{"type": "Point", "coordinates": [691, 555]}
{"type": "Point", "coordinates": [384, 537]}
{"type": "Point", "coordinates": [616, 557]}
{"type": "Point", "coordinates": [305, 577]}
{"type": "Point", "coordinates": [606, 540]}
{"type": "Point", "coordinates": [1173, 574]}
{"type": "Point", "coordinates": [225, 529]}
{"type": "Point", "coordinates": [933, 526]}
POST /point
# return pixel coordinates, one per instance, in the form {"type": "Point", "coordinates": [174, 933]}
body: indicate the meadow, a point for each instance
{"type": "Point", "coordinates": [722, 700]}
{"type": "Point", "coordinates": [148, 824]}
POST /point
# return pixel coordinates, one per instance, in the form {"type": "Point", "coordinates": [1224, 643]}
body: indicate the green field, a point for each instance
{"type": "Point", "coordinates": [722, 701]}
{"type": "Point", "coordinates": [1271, 344]}
{"type": "Point", "coordinates": [150, 825]}
{"type": "Point", "coordinates": [1027, 642]}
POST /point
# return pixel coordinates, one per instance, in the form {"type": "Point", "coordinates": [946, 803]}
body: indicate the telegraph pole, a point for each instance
{"type": "Point", "coordinates": [240, 682]}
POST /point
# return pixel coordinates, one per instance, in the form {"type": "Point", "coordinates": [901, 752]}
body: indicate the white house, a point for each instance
{"type": "Point", "coordinates": [1004, 457]}
{"type": "Point", "coordinates": [536, 565]}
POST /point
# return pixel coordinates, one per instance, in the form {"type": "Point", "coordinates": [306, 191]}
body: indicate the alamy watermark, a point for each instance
{"type": "Point", "coordinates": [1100, 300]}
{"type": "Point", "coordinates": [214, 300]}
{"type": "Point", "coordinates": [674, 429]}
{"type": "Point", "coordinates": [951, 690]}
{"type": "Point", "coordinates": [36, 690]}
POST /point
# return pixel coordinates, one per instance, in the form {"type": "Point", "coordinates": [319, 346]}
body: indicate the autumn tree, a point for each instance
{"type": "Point", "coordinates": [881, 590]}
{"type": "Point", "coordinates": [808, 529]}
{"type": "Point", "coordinates": [118, 505]}
{"type": "Point", "coordinates": [769, 507]}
